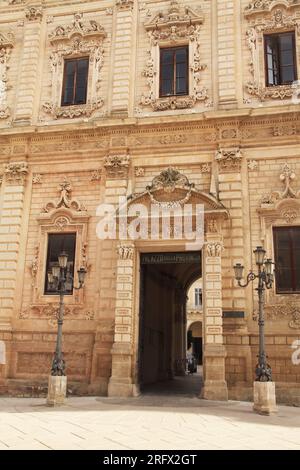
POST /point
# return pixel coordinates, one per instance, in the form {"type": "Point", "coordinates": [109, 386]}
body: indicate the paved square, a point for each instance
{"type": "Point", "coordinates": [147, 422]}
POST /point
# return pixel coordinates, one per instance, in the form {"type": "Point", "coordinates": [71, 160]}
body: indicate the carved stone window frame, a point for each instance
{"type": "Point", "coordinates": [178, 27]}
{"type": "Point", "coordinates": [60, 221]}
{"type": "Point", "coordinates": [279, 209]}
{"type": "Point", "coordinates": [269, 17]}
{"type": "Point", "coordinates": [79, 39]}
{"type": "Point", "coordinates": [7, 42]}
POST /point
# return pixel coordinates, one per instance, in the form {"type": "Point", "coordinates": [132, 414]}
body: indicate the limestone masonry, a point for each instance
{"type": "Point", "coordinates": [233, 137]}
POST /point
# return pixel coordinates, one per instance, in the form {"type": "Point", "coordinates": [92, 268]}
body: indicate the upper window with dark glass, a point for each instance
{"type": "Point", "coordinates": [174, 65]}
{"type": "Point", "coordinates": [58, 243]}
{"type": "Point", "coordinates": [287, 259]}
{"type": "Point", "coordinates": [280, 58]}
{"type": "Point", "coordinates": [75, 81]}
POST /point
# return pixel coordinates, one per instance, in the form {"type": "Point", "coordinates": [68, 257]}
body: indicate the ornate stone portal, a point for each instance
{"type": "Point", "coordinates": [123, 381]}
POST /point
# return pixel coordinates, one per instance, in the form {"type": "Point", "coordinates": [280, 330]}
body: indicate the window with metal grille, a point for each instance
{"type": "Point", "coordinates": [75, 81]}
{"type": "Point", "coordinates": [280, 59]}
{"type": "Point", "coordinates": [174, 65]}
{"type": "Point", "coordinates": [287, 259]}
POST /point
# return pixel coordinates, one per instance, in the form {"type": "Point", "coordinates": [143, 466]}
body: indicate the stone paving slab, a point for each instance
{"type": "Point", "coordinates": [146, 422]}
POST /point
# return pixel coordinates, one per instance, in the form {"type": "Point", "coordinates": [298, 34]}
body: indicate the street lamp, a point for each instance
{"type": "Point", "coordinates": [57, 278]}
{"type": "Point", "coordinates": [264, 388]}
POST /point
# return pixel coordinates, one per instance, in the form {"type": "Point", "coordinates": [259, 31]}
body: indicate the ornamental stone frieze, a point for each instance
{"type": "Point", "coordinates": [175, 27]}
{"type": "Point", "coordinates": [288, 310]}
{"type": "Point", "coordinates": [16, 173]}
{"type": "Point", "coordinates": [117, 166]}
{"type": "Point", "coordinates": [67, 41]}
{"type": "Point", "coordinates": [268, 17]}
{"type": "Point", "coordinates": [229, 160]}
{"type": "Point", "coordinates": [7, 41]}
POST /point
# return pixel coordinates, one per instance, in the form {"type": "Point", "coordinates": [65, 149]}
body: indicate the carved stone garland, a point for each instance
{"type": "Point", "coordinates": [266, 17]}
{"type": "Point", "coordinates": [6, 45]}
{"type": "Point", "coordinates": [176, 27]}
{"type": "Point", "coordinates": [75, 40]}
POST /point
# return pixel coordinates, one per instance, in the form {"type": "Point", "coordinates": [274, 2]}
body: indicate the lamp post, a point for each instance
{"type": "Point", "coordinates": [57, 277]}
{"type": "Point", "coordinates": [264, 387]}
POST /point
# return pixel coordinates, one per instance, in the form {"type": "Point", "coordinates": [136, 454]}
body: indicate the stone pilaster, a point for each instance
{"type": "Point", "coordinates": [215, 386]}
{"type": "Point", "coordinates": [121, 383]}
{"type": "Point", "coordinates": [226, 43]}
{"type": "Point", "coordinates": [10, 233]}
{"type": "Point", "coordinates": [29, 67]}
{"type": "Point", "coordinates": [122, 85]}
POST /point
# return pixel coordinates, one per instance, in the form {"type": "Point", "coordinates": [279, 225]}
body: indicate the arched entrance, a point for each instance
{"type": "Point", "coordinates": [194, 341]}
{"type": "Point", "coordinates": [165, 278]}
{"type": "Point", "coordinates": [130, 365]}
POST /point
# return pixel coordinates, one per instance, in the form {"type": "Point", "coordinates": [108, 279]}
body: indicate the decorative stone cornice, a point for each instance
{"type": "Point", "coordinates": [173, 18]}
{"type": "Point", "coordinates": [125, 252]}
{"type": "Point", "coordinates": [16, 173]}
{"type": "Point", "coordinates": [34, 13]}
{"type": "Point", "coordinates": [124, 4]}
{"type": "Point", "coordinates": [77, 28]}
{"type": "Point", "coordinates": [229, 159]}
{"type": "Point", "coordinates": [117, 166]}
{"type": "Point", "coordinates": [256, 7]}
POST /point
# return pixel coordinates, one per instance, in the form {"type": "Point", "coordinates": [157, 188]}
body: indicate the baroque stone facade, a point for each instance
{"type": "Point", "coordinates": [231, 144]}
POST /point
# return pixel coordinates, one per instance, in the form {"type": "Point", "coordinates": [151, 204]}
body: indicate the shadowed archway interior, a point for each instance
{"type": "Point", "coordinates": [165, 280]}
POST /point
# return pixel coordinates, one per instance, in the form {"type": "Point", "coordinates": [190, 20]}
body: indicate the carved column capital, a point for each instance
{"type": "Point", "coordinates": [124, 4]}
{"type": "Point", "coordinates": [117, 166]}
{"type": "Point", "coordinates": [34, 13]}
{"type": "Point", "coordinates": [214, 249]}
{"type": "Point", "coordinates": [16, 173]}
{"type": "Point", "coordinates": [125, 252]}
{"type": "Point", "coordinates": [229, 159]}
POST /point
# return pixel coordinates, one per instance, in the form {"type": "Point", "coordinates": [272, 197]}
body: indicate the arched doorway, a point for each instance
{"type": "Point", "coordinates": [165, 279]}
{"type": "Point", "coordinates": [132, 367]}
{"type": "Point", "coordinates": [194, 342]}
